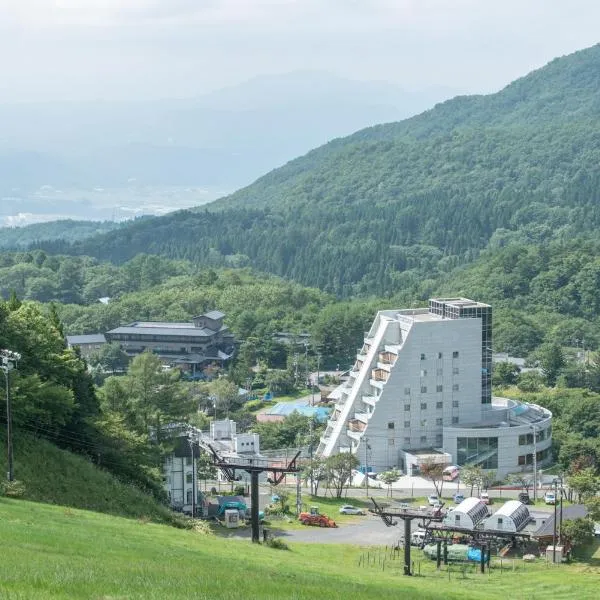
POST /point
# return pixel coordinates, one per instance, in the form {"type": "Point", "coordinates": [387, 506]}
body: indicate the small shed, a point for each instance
{"type": "Point", "coordinates": [467, 515]}
{"type": "Point", "coordinates": [511, 517]}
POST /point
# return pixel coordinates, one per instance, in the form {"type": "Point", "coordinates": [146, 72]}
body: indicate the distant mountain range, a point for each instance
{"type": "Point", "coordinates": [224, 139]}
{"type": "Point", "coordinates": [395, 204]}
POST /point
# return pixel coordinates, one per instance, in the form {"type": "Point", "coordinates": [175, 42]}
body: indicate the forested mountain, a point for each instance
{"type": "Point", "coordinates": [373, 213]}
{"type": "Point", "coordinates": [23, 237]}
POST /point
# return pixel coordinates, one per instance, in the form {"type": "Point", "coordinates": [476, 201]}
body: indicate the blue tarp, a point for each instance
{"type": "Point", "coordinates": [474, 554]}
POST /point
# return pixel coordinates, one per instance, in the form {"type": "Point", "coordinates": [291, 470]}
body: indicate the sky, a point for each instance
{"type": "Point", "coordinates": [148, 49]}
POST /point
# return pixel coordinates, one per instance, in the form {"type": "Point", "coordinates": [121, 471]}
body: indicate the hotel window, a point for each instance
{"type": "Point", "coordinates": [439, 439]}
{"type": "Point", "coordinates": [422, 357]}
{"type": "Point", "coordinates": [391, 425]}
{"type": "Point", "coordinates": [407, 441]}
{"type": "Point", "coordinates": [454, 403]}
{"type": "Point", "coordinates": [455, 387]}
{"type": "Point", "coordinates": [423, 405]}
{"type": "Point", "coordinates": [454, 370]}
{"type": "Point", "coordinates": [423, 422]}
{"type": "Point", "coordinates": [189, 478]}
{"type": "Point", "coordinates": [391, 442]}
{"type": "Point", "coordinates": [407, 391]}
{"type": "Point", "coordinates": [423, 439]}
{"type": "Point", "coordinates": [439, 405]}
{"type": "Point", "coordinates": [188, 460]}
{"type": "Point", "coordinates": [406, 407]}
{"type": "Point", "coordinates": [440, 355]}
{"type": "Point", "coordinates": [454, 420]}
{"type": "Point", "coordinates": [423, 372]}
{"type": "Point", "coordinates": [407, 424]}
{"type": "Point", "coordinates": [439, 421]}
{"type": "Point", "coordinates": [423, 389]}
{"type": "Point", "coordinates": [455, 354]}
{"type": "Point", "coordinates": [439, 388]}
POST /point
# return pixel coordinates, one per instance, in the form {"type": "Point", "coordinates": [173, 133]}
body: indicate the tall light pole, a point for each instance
{"type": "Point", "coordinates": [8, 361]}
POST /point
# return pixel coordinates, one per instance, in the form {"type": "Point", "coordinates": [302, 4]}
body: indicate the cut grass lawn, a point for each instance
{"type": "Point", "coordinates": [53, 552]}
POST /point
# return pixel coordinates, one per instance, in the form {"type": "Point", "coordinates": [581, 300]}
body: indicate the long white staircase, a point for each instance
{"type": "Point", "coordinates": [336, 429]}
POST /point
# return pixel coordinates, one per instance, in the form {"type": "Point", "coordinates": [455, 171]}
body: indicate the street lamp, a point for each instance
{"type": "Point", "coordinates": [8, 361]}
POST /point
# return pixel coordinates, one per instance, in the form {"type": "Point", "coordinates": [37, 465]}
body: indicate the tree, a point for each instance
{"type": "Point", "coordinates": [530, 381]}
{"type": "Point", "coordinates": [584, 483]}
{"type": "Point", "coordinates": [339, 471]}
{"type": "Point", "coordinates": [505, 374]}
{"type": "Point", "coordinates": [577, 532]}
{"type": "Point", "coordinates": [205, 468]}
{"type": "Point", "coordinates": [390, 477]}
{"type": "Point", "coordinates": [592, 503]}
{"type": "Point", "coordinates": [433, 471]}
{"type": "Point", "coordinates": [472, 475]}
{"type": "Point", "coordinates": [110, 357]}
{"type": "Point", "coordinates": [552, 361]}
{"type": "Point", "coordinates": [226, 395]}
{"type": "Point", "coordinates": [316, 471]}
{"type": "Point", "coordinates": [524, 480]}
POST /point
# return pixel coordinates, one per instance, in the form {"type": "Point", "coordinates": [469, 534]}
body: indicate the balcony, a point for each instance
{"type": "Point", "coordinates": [379, 374]}
{"type": "Point", "coordinates": [370, 400]}
{"type": "Point", "coordinates": [387, 358]}
{"type": "Point", "coordinates": [361, 417]}
{"type": "Point", "coordinates": [384, 367]}
{"type": "Point", "coordinates": [377, 384]}
{"type": "Point", "coordinates": [361, 357]}
{"type": "Point", "coordinates": [356, 425]}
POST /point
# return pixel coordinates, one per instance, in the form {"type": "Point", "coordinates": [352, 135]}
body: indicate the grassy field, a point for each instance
{"type": "Point", "coordinates": [55, 476]}
{"type": "Point", "coordinates": [54, 552]}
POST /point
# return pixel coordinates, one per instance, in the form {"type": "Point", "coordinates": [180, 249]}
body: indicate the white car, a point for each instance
{"type": "Point", "coordinates": [433, 499]}
{"type": "Point", "coordinates": [348, 509]}
{"type": "Point", "coordinates": [550, 498]}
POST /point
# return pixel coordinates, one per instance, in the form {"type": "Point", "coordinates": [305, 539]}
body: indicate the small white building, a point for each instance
{"type": "Point", "coordinates": [511, 517]}
{"type": "Point", "coordinates": [467, 515]}
{"type": "Point", "coordinates": [179, 477]}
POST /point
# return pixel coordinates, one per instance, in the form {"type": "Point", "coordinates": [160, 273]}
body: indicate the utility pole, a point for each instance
{"type": "Point", "coordinates": [8, 361]}
{"type": "Point", "coordinates": [367, 463]}
{"type": "Point", "coordinates": [191, 444]}
{"type": "Point", "coordinates": [554, 524]}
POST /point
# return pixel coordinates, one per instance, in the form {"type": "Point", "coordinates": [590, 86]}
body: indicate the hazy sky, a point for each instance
{"type": "Point", "coordinates": [132, 49]}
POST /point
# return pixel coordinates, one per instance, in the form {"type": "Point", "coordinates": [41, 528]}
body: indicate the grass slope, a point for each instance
{"type": "Point", "coordinates": [59, 553]}
{"type": "Point", "coordinates": [55, 476]}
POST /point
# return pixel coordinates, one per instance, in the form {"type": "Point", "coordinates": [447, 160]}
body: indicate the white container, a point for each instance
{"type": "Point", "coordinates": [550, 553]}
{"type": "Point", "coordinates": [232, 518]}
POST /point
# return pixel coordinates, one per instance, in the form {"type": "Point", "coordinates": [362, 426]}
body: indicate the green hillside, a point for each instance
{"type": "Point", "coordinates": [372, 213]}
{"type": "Point", "coordinates": [59, 553]}
{"type": "Point", "coordinates": [23, 237]}
{"type": "Point", "coordinates": [55, 476]}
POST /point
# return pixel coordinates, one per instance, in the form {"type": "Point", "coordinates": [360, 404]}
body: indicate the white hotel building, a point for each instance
{"type": "Point", "coordinates": [421, 387]}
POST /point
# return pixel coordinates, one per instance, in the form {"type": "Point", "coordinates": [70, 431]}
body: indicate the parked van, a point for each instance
{"type": "Point", "coordinates": [417, 537]}
{"type": "Point", "coordinates": [450, 473]}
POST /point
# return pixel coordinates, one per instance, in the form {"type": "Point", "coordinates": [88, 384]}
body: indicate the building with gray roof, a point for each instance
{"type": "Point", "coordinates": [189, 346]}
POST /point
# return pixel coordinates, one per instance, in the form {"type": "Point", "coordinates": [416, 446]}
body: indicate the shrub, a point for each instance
{"type": "Point", "coordinates": [276, 543]}
{"type": "Point", "coordinates": [13, 489]}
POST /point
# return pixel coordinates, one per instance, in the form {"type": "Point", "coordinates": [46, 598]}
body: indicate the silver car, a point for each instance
{"type": "Point", "coordinates": [348, 509]}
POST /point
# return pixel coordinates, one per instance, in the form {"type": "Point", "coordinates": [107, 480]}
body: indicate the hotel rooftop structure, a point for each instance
{"type": "Point", "coordinates": [420, 390]}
